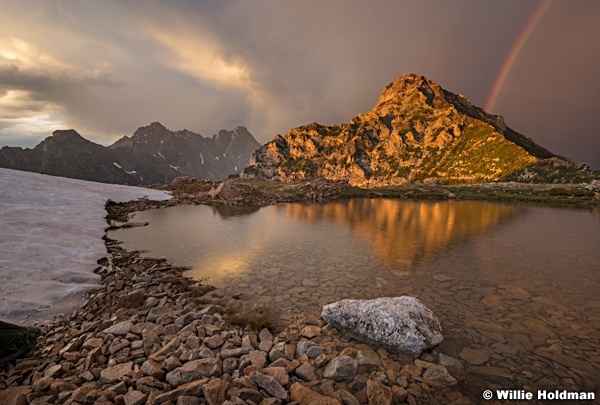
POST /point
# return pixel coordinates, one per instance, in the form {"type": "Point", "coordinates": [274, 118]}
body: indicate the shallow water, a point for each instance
{"type": "Point", "coordinates": [515, 283]}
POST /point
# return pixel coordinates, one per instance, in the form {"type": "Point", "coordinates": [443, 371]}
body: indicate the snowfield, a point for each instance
{"type": "Point", "coordinates": [51, 231]}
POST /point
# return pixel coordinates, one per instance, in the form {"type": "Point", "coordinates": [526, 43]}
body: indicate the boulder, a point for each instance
{"type": "Point", "coordinates": [400, 325]}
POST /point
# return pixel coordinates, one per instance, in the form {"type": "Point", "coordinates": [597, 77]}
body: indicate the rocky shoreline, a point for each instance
{"type": "Point", "coordinates": [151, 336]}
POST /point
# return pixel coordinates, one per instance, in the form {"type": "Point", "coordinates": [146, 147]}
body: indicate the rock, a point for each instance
{"type": "Point", "coordinates": [53, 370]}
{"type": "Point", "coordinates": [121, 328]}
{"type": "Point", "coordinates": [153, 369]}
{"type": "Point", "coordinates": [453, 365]}
{"type": "Point", "coordinates": [193, 389]}
{"type": "Point", "coordinates": [341, 368]}
{"type": "Point", "coordinates": [400, 325]}
{"type": "Point", "coordinates": [279, 373]}
{"type": "Point", "coordinates": [132, 300]}
{"type": "Point", "coordinates": [307, 372]}
{"type": "Point", "coordinates": [213, 342]}
{"type": "Point", "coordinates": [399, 394]}
{"type": "Point", "coordinates": [265, 335]}
{"type": "Point", "coordinates": [230, 365]}
{"type": "Point", "coordinates": [439, 375]}
{"type": "Point", "coordinates": [187, 400]}
{"type": "Point", "coordinates": [15, 395]}
{"type": "Point", "coordinates": [277, 352]}
{"type": "Point", "coordinates": [305, 396]}
{"type": "Point", "coordinates": [120, 388]}
{"type": "Point", "coordinates": [269, 384]}
{"type": "Point", "coordinates": [41, 384]}
{"type": "Point", "coordinates": [491, 373]}
{"type": "Point", "coordinates": [92, 343]}
{"type": "Point", "coordinates": [195, 370]}
{"type": "Point", "coordinates": [135, 398]}
{"type": "Point", "coordinates": [473, 356]}
{"type": "Point", "coordinates": [237, 352]}
{"type": "Point", "coordinates": [310, 331]}
{"type": "Point", "coordinates": [378, 393]}
{"type": "Point", "coordinates": [214, 391]}
{"type": "Point", "coordinates": [115, 373]}
{"type": "Point", "coordinates": [367, 361]}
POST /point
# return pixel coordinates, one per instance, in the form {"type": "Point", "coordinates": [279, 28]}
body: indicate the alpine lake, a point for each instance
{"type": "Point", "coordinates": [515, 286]}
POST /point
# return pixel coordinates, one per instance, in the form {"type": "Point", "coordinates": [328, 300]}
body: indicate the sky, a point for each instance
{"type": "Point", "coordinates": [105, 68]}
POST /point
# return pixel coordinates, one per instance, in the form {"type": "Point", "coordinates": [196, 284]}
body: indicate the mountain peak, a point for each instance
{"type": "Point", "coordinates": [416, 131]}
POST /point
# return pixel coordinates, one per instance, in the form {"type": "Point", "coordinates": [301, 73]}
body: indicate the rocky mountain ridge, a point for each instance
{"type": "Point", "coordinates": [153, 154]}
{"type": "Point", "coordinates": [417, 131]}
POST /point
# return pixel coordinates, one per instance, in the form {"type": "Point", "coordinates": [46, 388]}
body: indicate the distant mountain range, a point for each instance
{"type": "Point", "coordinates": [152, 155]}
{"type": "Point", "coordinates": [417, 131]}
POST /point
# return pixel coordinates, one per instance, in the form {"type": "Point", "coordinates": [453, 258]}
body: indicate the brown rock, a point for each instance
{"type": "Point", "coordinates": [305, 396]}
{"type": "Point", "coordinates": [135, 398]}
{"type": "Point", "coordinates": [195, 370]}
{"type": "Point", "coordinates": [187, 400]}
{"type": "Point", "coordinates": [115, 373]}
{"type": "Point", "coordinates": [41, 384]}
{"type": "Point", "coordinates": [378, 393]}
{"type": "Point", "coordinates": [473, 356]}
{"type": "Point", "coordinates": [399, 394]}
{"type": "Point", "coordinates": [193, 389]}
{"type": "Point", "coordinates": [15, 395]}
{"type": "Point", "coordinates": [307, 372]}
{"type": "Point", "coordinates": [310, 331]}
{"type": "Point", "coordinates": [279, 373]}
{"type": "Point", "coordinates": [269, 384]}
{"type": "Point", "coordinates": [214, 391]}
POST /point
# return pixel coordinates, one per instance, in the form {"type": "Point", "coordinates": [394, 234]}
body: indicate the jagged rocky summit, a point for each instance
{"type": "Point", "coordinates": [153, 154]}
{"type": "Point", "coordinates": [417, 131]}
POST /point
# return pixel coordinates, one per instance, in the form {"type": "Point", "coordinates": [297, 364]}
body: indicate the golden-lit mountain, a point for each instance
{"type": "Point", "coordinates": [417, 131]}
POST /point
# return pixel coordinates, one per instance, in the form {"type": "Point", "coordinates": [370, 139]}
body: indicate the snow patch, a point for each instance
{"type": "Point", "coordinates": [162, 155]}
{"type": "Point", "coordinates": [174, 167]}
{"type": "Point", "coordinates": [201, 157]}
{"type": "Point", "coordinates": [118, 165]}
{"type": "Point", "coordinates": [51, 238]}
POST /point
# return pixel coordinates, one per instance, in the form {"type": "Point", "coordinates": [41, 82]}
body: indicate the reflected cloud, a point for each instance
{"type": "Point", "coordinates": [403, 232]}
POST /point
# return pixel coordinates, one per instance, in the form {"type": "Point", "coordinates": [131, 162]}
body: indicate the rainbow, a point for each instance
{"type": "Point", "coordinates": [516, 51]}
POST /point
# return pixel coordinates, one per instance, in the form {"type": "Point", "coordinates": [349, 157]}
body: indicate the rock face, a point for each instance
{"type": "Point", "coordinates": [152, 155]}
{"type": "Point", "coordinates": [417, 131]}
{"type": "Point", "coordinates": [400, 325]}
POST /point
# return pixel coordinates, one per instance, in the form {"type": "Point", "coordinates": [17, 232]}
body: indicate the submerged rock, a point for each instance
{"type": "Point", "coordinates": [400, 324]}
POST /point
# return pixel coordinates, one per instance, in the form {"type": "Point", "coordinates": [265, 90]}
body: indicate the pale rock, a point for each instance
{"type": "Point", "coordinates": [400, 325]}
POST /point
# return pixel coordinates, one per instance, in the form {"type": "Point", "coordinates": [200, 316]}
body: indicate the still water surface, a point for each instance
{"type": "Point", "coordinates": [516, 282]}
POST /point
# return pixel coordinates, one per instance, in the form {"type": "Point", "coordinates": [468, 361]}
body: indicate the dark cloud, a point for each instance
{"type": "Point", "coordinates": [108, 67]}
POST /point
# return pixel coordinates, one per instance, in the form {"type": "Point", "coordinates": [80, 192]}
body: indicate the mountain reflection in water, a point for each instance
{"type": "Point", "coordinates": [381, 234]}
{"type": "Point", "coordinates": [400, 233]}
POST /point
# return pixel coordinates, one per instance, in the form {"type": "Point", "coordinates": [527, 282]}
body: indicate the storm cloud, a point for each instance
{"type": "Point", "coordinates": [106, 68]}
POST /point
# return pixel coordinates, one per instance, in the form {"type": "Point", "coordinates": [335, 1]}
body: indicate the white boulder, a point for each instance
{"type": "Point", "coordinates": [399, 325]}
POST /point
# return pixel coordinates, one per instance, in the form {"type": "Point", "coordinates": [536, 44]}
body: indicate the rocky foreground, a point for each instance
{"type": "Point", "coordinates": [150, 336]}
